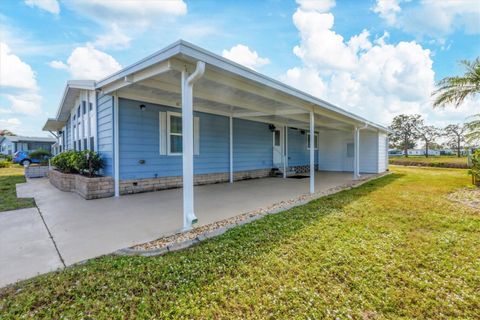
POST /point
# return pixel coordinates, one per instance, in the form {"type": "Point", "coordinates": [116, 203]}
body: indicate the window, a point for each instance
{"type": "Point", "coordinates": [78, 112]}
{"type": "Point", "coordinates": [174, 133]}
{"type": "Point", "coordinates": [315, 142]}
{"type": "Point", "coordinates": [350, 150]}
{"type": "Point", "coordinates": [85, 144]}
{"type": "Point", "coordinates": [277, 138]}
{"type": "Point", "coordinates": [92, 144]}
{"type": "Point", "coordinates": [75, 145]}
{"type": "Point", "coordinates": [90, 106]}
{"type": "Point", "coordinates": [84, 107]}
{"type": "Point", "coordinates": [170, 134]}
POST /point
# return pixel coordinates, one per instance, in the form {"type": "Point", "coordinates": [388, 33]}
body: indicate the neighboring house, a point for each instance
{"type": "Point", "coordinates": [241, 125]}
{"type": "Point", "coordinates": [422, 152]}
{"type": "Point", "coordinates": [11, 144]}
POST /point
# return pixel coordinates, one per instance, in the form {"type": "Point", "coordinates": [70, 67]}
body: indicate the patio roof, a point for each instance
{"type": "Point", "coordinates": [226, 88]}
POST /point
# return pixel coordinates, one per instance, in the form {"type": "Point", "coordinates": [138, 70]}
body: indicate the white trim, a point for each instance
{"type": "Point", "coordinates": [231, 149]}
{"type": "Point", "coordinates": [169, 115]}
{"type": "Point", "coordinates": [316, 144]}
{"type": "Point", "coordinates": [116, 148]}
{"type": "Point", "coordinates": [284, 155]}
{"type": "Point", "coordinates": [312, 153]}
{"type": "Point", "coordinates": [162, 133]}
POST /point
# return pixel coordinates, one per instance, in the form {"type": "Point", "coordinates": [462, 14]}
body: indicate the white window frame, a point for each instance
{"type": "Point", "coordinates": [169, 133]}
{"type": "Point", "coordinates": [316, 144]}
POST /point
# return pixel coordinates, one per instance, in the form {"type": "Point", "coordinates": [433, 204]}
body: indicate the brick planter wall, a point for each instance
{"type": "Point", "coordinates": [88, 188]}
{"type": "Point", "coordinates": [162, 183]}
{"type": "Point", "coordinates": [36, 171]}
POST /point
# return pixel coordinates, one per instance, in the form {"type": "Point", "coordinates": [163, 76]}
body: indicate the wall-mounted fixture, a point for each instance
{"type": "Point", "coordinates": [141, 161]}
{"type": "Point", "coordinates": [271, 127]}
{"type": "Point", "coordinates": [302, 132]}
{"type": "Point", "coordinates": [142, 107]}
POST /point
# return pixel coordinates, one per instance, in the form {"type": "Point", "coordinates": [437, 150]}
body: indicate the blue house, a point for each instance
{"type": "Point", "coordinates": [11, 144]}
{"type": "Point", "coordinates": [185, 116]}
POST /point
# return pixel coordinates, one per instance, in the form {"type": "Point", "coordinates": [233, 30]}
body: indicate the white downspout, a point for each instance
{"type": "Point", "coordinates": [231, 150]}
{"type": "Point", "coordinates": [187, 143]}
{"type": "Point", "coordinates": [116, 146]}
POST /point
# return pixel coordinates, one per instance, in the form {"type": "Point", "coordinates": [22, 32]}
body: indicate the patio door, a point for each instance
{"type": "Point", "coordinates": [278, 149]}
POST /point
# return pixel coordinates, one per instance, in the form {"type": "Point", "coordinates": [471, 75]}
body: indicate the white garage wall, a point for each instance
{"type": "Point", "coordinates": [333, 151]}
{"type": "Point", "coordinates": [382, 152]}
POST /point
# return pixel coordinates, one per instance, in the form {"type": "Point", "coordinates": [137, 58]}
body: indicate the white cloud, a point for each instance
{"type": "Point", "coordinates": [19, 83]}
{"type": "Point", "coordinates": [388, 10]}
{"type": "Point", "coordinates": [15, 73]}
{"type": "Point", "coordinates": [244, 56]}
{"type": "Point", "coordinates": [113, 39]}
{"type": "Point", "coordinates": [88, 63]}
{"type": "Point", "coordinates": [375, 79]}
{"type": "Point", "coordinates": [433, 18]}
{"type": "Point", "coordinates": [10, 124]}
{"type": "Point", "coordinates": [51, 6]}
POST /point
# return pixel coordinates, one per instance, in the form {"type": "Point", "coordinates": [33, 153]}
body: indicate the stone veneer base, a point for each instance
{"type": "Point", "coordinates": [162, 183]}
{"type": "Point", "coordinates": [88, 188]}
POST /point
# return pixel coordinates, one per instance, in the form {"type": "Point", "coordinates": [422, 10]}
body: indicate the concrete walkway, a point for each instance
{"type": "Point", "coordinates": [25, 245]}
{"type": "Point", "coordinates": [84, 229]}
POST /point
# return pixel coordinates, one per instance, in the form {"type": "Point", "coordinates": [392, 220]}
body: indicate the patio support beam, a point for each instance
{"type": "Point", "coordinates": [116, 146]}
{"type": "Point", "coordinates": [231, 149]}
{"type": "Point", "coordinates": [312, 152]}
{"type": "Point", "coordinates": [356, 151]}
{"type": "Point", "coordinates": [285, 154]}
{"type": "Point", "coordinates": [187, 143]}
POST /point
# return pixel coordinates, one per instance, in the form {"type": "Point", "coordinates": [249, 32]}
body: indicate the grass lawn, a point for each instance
{"type": "Point", "coordinates": [392, 248]}
{"type": "Point", "coordinates": [432, 161]}
{"type": "Point", "coordinates": [8, 195]}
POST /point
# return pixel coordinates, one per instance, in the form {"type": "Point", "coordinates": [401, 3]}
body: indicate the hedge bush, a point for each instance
{"type": "Point", "coordinates": [84, 162]}
{"type": "Point", "coordinates": [4, 164]}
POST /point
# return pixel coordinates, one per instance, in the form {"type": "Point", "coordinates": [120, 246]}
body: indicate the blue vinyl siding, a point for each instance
{"type": "Point", "coordinates": [105, 131]}
{"type": "Point", "coordinates": [140, 140]}
{"type": "Point", "coordinates": [298, 154]}
{"type": "Point", "coordinates": [252, 145]}
{"type": "Point", "coordinates": [68, 134]}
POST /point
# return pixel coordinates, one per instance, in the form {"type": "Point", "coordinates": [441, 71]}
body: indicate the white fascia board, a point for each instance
{"type": "Point", "coordinates": [73, 84]}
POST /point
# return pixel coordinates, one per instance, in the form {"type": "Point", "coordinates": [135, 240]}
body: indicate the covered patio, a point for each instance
{"type": "Point", "coordinates": [85, 229]}
{"type": "Point", "coordinates": [191, 79]}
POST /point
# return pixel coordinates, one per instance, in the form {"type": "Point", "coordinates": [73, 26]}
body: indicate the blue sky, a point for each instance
{"type": "Point", "coordinates": [375, 58]}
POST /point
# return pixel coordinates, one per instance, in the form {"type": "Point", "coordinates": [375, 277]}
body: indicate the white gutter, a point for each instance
{"type": "Point", "coordinates": [187, 143]}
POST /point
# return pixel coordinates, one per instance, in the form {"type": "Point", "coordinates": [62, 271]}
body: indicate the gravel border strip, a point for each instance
{"type": "Point", "coordinates": [183, 240]}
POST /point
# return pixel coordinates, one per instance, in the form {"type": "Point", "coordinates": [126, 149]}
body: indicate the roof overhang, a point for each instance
{"type": "Point", "coordinates": [53, 125]}
{"type": "Point", "coordinates": [71, 93]}
{"type": "Point", "coordinates": [226, 87]}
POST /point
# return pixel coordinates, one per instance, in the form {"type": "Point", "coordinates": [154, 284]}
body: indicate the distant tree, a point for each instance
{"type": "Point", "coordinates": [455, 134]}
{"type": "Point", "coordinates": [454, 90]}
{"type": "Point", "coordinates": [6, 132]}
{"type": "Point", "coordinates": [405, 131]}
{"type": "Point", "coordinates": [428, 134]}
{"type": "Point", "coordinates": [435, 146]}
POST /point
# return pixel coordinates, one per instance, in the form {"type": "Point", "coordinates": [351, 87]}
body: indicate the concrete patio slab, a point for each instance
{"type": "Point", "coordinates": [25, 246]}
{"type": "Point", "coordinates": [84, 229]}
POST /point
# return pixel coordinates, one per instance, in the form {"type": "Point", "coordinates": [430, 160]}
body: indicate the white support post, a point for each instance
{"type": "Point", "coordinates": [284, 152]}
{"type": "Point", "coordinates": [231, 149]}
{"type": "Point", "coordinates": [116, 146]}
{"type": "Point", "coordinates": [187, 143]}
{"type": "Point", "coordinates": [312, 152]}
{"type": "Point", "coordinates": [356, 153]}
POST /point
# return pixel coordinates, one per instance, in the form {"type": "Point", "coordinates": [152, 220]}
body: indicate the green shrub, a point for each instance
{"type": "Point", "coordinates": [4, 164]}
{"type": "Point", "coordinates": [66, 161]}
{"type": "Point", "coordinates": [475, 169]}
{"type": "Point", "coordinates": [89, 162]}
{"type": "Point", "coordinates": [84, 162]}
{"type": "Point", "coordinates": [40, 154]}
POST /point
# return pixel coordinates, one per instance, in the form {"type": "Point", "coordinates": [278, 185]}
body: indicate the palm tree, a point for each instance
{"type": "Point", "coordinates": [456, 89]}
